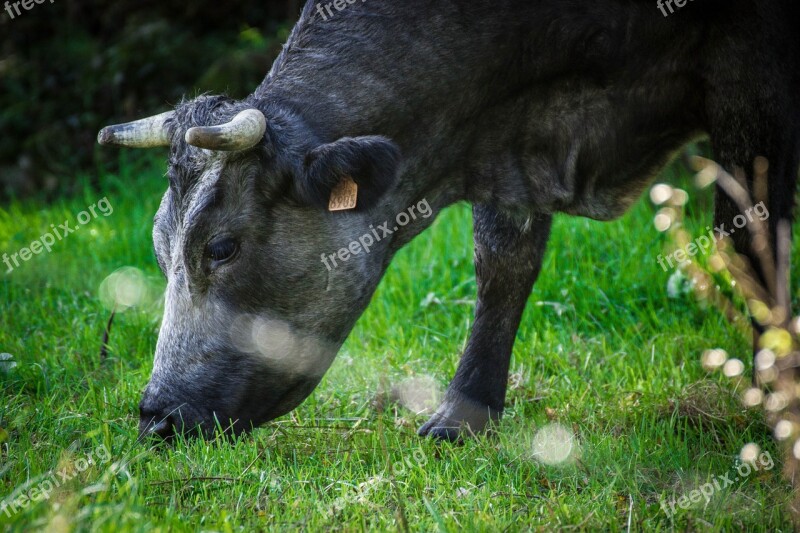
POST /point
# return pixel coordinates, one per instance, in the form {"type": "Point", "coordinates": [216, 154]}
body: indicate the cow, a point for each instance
{"type": "Point", "coordinates": [523, 108]}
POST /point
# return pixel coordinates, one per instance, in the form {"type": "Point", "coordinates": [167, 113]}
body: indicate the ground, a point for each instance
{"type": "Point", "coordinates": [611, 420]}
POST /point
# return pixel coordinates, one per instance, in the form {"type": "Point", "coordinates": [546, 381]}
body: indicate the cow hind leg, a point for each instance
{"type": "Point", "coordinates": [773, 278]}
{"type": "Point", "coordinates": [508, 258]}
{"type": "Point", "coordinates": [743, 129]}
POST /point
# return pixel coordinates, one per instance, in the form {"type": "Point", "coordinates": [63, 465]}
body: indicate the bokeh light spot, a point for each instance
{"type": "Point", "coordinates": [783, 430]}
{"type": "Point", "coordinates": [124, 288]}
{"type": "Point", "coordinates": [553, 444]}
{"type": "Point", "coordinates": [752, 397]}
{"type": "Point", "coordinates": [749, 453]}
{"type": "Point", "coordinates": [660, 193]}
{"type": "Point", "coordinates": [420, 395]}
{"type": "Point", "coordinates": [713, 359]}
{"type": "Point", "coordinates": [733, 368]}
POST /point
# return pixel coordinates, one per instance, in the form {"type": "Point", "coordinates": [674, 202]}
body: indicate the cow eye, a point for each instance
{"type": "Point", "coordinates": [222, 250]}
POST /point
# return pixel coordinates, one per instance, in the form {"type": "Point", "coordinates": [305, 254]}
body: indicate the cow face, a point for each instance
{"type": "Point", "coordinates": [253, 318]}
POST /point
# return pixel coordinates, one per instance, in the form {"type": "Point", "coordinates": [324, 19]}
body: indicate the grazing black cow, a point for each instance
{"type": "Point", "coordinates": [524, 108]}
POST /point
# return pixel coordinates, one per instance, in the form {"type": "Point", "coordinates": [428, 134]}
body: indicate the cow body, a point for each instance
{"type": "Point", "coordinates": [515, 104]}
{"type": "Point", "coordinates": [522, 108]}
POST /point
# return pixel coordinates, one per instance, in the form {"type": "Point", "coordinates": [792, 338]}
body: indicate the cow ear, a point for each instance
{"type": "Point", "coordinates": [372, 162]}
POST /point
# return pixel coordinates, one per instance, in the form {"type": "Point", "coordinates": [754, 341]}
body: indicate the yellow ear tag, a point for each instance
{"type": "Point", "coordinates": [344, 196]}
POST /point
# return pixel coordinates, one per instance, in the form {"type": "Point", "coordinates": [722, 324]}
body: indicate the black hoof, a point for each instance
{"type": "Point", "coordinates": [458, 418]}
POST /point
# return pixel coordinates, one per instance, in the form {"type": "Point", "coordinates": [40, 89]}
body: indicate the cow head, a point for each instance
{"type": "Point", "coordinates": [253, 318]}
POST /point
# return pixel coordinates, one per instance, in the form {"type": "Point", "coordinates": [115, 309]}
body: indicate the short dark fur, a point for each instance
{"type": "Point", "coordinates": [524, 108]}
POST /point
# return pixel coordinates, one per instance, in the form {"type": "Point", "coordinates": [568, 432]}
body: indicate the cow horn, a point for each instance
{"type": "Point", "coordinates": [244, 131]}
{"type": "Point", "coordinates": [145, 133]}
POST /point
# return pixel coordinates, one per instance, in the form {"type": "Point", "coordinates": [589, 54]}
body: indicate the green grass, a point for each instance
{"type": "Point", "coordinates": [602, 351]}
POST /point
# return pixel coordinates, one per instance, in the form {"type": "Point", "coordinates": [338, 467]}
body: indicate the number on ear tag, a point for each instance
{"type": "Point", "coordinates": [344, 196]}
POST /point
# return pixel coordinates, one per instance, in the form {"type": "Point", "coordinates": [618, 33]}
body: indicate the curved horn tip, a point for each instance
{"type": "Point", "coordinates": [106, 136]}
{"type": "Point", "coordinates": [243, 132]}
{"type": "Point", "coordinates": [194, 136]}
{"type": "Point", "coordinates": [148, 132]}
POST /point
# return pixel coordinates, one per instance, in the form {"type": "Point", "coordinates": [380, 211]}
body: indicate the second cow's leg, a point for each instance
{"type": "Point", "coordinates": [508, 257]}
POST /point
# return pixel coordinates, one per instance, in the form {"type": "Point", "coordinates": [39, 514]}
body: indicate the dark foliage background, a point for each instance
{"type": "Point", "coordinates": [69, 68]}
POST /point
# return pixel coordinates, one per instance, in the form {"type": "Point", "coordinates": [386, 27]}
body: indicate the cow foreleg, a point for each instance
{"type": "Point", "coordinates": [508, 257]}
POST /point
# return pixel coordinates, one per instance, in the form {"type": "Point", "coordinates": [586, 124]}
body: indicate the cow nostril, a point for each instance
{"type": "Point", "coordinates": [155, 424]}
{"type": "Point", "coordinates": [164, 428]}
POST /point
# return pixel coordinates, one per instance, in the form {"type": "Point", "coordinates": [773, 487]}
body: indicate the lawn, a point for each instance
{"type": "Point", "coordinates": [610, 417]}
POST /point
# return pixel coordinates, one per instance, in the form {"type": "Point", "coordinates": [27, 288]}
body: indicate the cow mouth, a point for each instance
{"type": "Point", "coordinates": [290, 399]}
{"type": "Point", "coordinates": [219, 423]}
{"type": "Point", "coordinates": [239, 390]}
{"type": "Point", "coordinates": [250, 420]}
